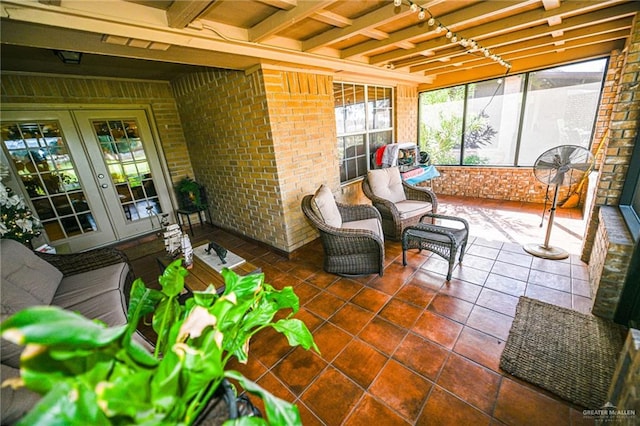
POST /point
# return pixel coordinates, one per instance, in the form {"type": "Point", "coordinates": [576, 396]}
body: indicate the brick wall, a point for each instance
{"type": "Point", "coordinates": [52, 90]}
{"type": "Point", "coordinates": [624, 392]}
{"type": "Point", "coordinates": [606, 249]}
{"type": "Point", "coordinates": [259, 143]}
{"type": "Point", "coordinates": [610, 261]}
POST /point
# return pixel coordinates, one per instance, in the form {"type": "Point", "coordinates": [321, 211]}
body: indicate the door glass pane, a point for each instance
{"type": "Point", "coordinates": [39, 152]}
{"type": "Point", "coordinates": [126, 160]}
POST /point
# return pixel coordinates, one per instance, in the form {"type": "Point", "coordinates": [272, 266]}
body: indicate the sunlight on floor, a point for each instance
{"type": "Point", "coordinates": [517, 222]}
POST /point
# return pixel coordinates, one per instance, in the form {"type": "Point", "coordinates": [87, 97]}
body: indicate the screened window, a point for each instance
{"type": "Point", "coordinates": [364, 121]}
{"type": "Point", "coordinates": [510, 121]}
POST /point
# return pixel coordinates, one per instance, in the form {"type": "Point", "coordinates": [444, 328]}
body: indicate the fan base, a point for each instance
{"type": "Point", "coordinates": [547, 252]}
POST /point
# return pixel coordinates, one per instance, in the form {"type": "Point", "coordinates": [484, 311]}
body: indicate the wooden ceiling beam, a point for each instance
{"type": "Point", "coordinates": [524, 65]}
{"type": "Point", "coordinates": [620, 26]}
{"type": "Point", "coordinates": [531, 20]}
{"type": "Point", "coordinates": [332, 19]}
{"type": "Point", "coordinates": [285, 18]}
{"type": "Point", "coordinates": [281, 4]}
{"type": "Point", "coordinates": [182, 13]}
{"type": "Point", "coordinates": [454, 21]}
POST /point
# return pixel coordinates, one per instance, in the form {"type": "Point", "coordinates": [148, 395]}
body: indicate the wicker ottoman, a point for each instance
{"type": "Point", "coordinates": [441, 240]}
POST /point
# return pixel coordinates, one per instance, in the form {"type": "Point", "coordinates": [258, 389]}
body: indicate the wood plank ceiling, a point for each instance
{"type": "Point", "coordinates": [433, 43]}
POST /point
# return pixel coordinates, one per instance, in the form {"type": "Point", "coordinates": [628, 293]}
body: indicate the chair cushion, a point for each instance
{"type": "Point", "coordinates": [372, 225]}
{"type": "Point", "coordinates": [324, 205]}
{"type": "Point", "coordinates": [96, 294]}
{"type": "Point", "coordinates": [387, 184]}
{"type": "Point", "coordinates": [27, 281]}
{"type": "Point", "coordinates": [412, 208]}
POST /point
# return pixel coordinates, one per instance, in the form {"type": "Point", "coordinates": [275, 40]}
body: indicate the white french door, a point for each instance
{"type": "Point", "coordinates": [93, 177]}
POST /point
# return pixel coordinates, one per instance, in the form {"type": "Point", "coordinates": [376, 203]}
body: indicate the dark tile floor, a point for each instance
{"type": "Point", "coordinates": [408, 347]}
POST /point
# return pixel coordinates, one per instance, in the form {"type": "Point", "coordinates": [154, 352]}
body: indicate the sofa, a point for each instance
{"type": "Point", "coordinates": [95, 283]}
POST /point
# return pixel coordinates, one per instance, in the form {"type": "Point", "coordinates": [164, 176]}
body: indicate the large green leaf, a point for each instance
{"type": "Point", "coordinates": [279, 412]}
{"type": "Point", "coordinates": [172, 279]}
{"type": "Point", "coordinates": [51, 325]}
{"type": "Point", "coordinates": [297, 333]}
{"type": "Point", "coordinates": [285, 298]}
{"type": "Point", "coordinates": [245, 287]}
{"type": "Point", "coordinates": [142, 301]}
{"type": "Point", "coordinates": [167, 313]}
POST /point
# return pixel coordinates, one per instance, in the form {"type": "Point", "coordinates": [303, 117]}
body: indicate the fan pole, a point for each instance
{"type": "Point", "coordinates": [545, 251]}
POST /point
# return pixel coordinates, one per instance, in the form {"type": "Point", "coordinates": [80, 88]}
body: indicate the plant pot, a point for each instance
{"type": "Point", "coordinates": [225, 405]}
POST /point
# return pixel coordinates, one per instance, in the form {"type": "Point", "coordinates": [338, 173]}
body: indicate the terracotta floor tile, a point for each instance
{"type": "Point", "coordinates": [444, 409]}
{"type": "Point", "coordinates": [580, 272]}
{"type": "Point", "coordinates": [352, 318]}
{"type": "Point", "coordinates": [394, 277]}
{"type": "Point", "coordinates": [422, 356]}
{"type": "Point", "coordinates": [498, 301]}
{"type": "Point", "coordinates": [580, 287]}
{"type": "Point", "coordinates": [437, 329]}
{"type": "Point", "coordinates": [344, 288]}
{"type": "Point", "coordinates": [520, 259]}
{"type": "Point", "coordinates": [370, 299]}
{"type": "Point", "coordinates": [436, 265]}
{"type": "Point", "coordinates": [298, 369]}
{"type": "Point", "coordinates": [488, 243]}
{"type": "Point", "coordinates": [307, 416]}
{"type": "Point", "coordinates": [519, 405]}
{"type": "Point", "coordinates": [275, 386]}
{"type": "Point", "coordinates": [490, 322]}
{"type": "Point", "coordinates": [361, 362]}
{"type": "Point", "coordinates": [383, 335]}
{"type": "Point", "coordinates": [252, 370]}
{"type": "Point", "coordinates": [483, 251]}
{"type": "Point", "coordinates": [451, 307]}
{"type": "Point", "coordinates": [427, 279]}
{"type": "Point", "coordinates": [400, 313]}
{"type": "Point", "coordinates": [471, 275]}
{"type": "Point", "coordinates": [477, 262]}
{"type": "Point", "coordinates": [506, 285]}
{"type": "Point", "coordinates": [510, 270]}
{"type": "Point", "coordinates": [322, 279]}
{"type": "Point", "coordinates": [269, 347]}
{"type": "Point", "coordinates": [311, 320]}
{"type": "Point", "coordinates": [547, 279]}
{"type": "Point", "coordinates": [561, 267]}
{"type": "Point", "coordinates": [462, 290]}
{"type": "Point", "coordinates": [480, 347]}
{"type": "Point", "coordinates": [549, 295]}
{"type": "Point", "coordinates": [324, 304]}
{"type": "Point", "coordinates": [303, 271]}
{"type": "Point", "coordinates": [581, 304]}
{"type": "Point", "coordinates": [370, 412]}
{"type": "Point", "coordinates": [330, 340]}
{"type": "Point", "coordinates": [332, 396]}
{"type": "Point", "coordinates": [416, 294]}
{"type": "Point", "coordinates": [305, 292]}
{"type": "Point", "coordinates": [471, 382]}
{"type": "Point", "coordinates": [401, 389]}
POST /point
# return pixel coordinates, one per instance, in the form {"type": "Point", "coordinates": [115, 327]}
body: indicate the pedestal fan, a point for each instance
{"type": "Point", "coordinates": [563, 165]}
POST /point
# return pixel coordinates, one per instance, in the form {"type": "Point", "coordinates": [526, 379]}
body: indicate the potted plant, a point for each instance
{"type": "Point", "coordinates": [191, 194]}
{"type": "Point", "coordinates": [93, 374]}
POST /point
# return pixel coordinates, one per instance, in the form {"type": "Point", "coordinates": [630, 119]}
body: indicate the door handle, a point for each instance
{"type": "Point", "coordinates": [104, 185]}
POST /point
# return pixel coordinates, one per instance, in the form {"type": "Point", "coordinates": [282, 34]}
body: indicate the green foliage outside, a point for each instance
{"type": "Point", "coordinates": [98, 375]}
{"type": "Point", "coordinates": [442, 140]}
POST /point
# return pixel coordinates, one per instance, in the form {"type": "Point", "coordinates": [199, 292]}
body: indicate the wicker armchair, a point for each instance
{"type": "Point", "coordinates": [399, 203]}
{"type": "Point", "coordinates": [349, 251]}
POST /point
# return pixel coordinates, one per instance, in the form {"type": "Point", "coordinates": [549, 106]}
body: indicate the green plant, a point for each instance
{"type": "Point", "coordinates": [92, 374]}
{"type": "Point", "coordinates": [190, 192]}
{"type": "Point", "coordinates": [16, 220]}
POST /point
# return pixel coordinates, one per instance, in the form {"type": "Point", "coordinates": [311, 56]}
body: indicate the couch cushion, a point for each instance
{"type": "Point", "coordinates": [324, 205]}
{"type": "Point", "coordinates": [96, 294]}
{"type": "Point", "coordinates": [412, 208]}
{"type": "Point", "coordinates": [14, 404]}
{"type": "Point", "coordinates": [372, 225]}
{"type": "Point", "coordinates": [387, 184]}
{"type": "Point", "coordinates": [27, 281]}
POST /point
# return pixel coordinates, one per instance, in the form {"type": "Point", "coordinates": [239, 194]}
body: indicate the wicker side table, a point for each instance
{"type": "Point", "coordinates": [441, 240]}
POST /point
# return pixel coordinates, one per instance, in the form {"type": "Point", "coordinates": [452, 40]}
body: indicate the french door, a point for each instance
{"type": "Point", "coordinates": [93, 177]}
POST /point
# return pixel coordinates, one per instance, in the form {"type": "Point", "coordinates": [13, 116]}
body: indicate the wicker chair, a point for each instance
{"type": "Point", "coordinates": [399, 203]}
{"type": "Point", "coordinates": [349, 251]}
